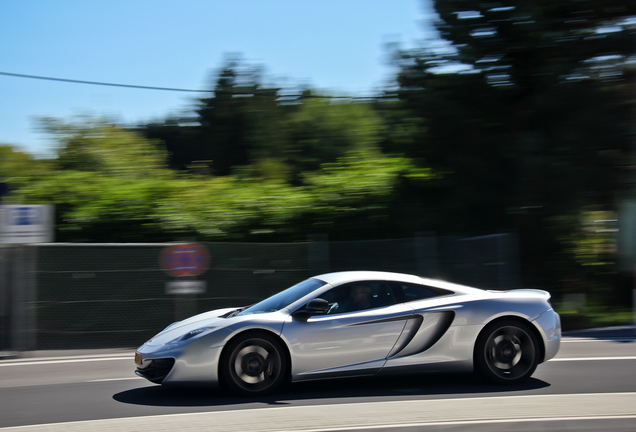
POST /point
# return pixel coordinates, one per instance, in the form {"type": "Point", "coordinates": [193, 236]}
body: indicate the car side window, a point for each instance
{"type": "Point", "coordinates": [359, 295]}
{"type": "Point", "coordinates": [407, 292]}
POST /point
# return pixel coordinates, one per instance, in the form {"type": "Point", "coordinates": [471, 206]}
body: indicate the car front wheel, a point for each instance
{"type": "Point", "coordinates": [253, 365]}
{"type": "Point", "coordinates": [507, 352]}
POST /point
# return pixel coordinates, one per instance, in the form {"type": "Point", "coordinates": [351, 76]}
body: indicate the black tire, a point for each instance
{"type": "Point", "coordinates": [253, 364]}
{"type": "Point", "coordinates": [507, 352]}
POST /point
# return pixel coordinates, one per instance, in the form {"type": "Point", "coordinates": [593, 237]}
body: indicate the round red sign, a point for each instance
{"type": "Point", "coordinates": [188, 259]}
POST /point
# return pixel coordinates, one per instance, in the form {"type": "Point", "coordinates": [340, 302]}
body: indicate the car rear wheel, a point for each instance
{"type": "Point", "coordinates": [507, 352]}
{"type": "Point", "coordinates": [254, 365]}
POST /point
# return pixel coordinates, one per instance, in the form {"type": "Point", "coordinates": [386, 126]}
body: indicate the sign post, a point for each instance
{"type": "Point", "coordinates": [184, 262]}
{"type": "Point", "coordinates": [20, 224]}
{"type": "Point", "coordinates": [26, 223]}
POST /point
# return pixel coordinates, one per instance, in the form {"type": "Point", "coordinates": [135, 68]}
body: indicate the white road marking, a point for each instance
{"type": "Point", "coordinates": [78, 356]}
{"type": "Point", "coordinates": [473, 422]}
{"type": "Point", "coordinates": [66, 360]}
{"type": "Point", "coordinates": [117, 379]}
{"type": "Point", "coordinates": [575, 359]}
{"type": "Point", "coordinates": [588, 340]}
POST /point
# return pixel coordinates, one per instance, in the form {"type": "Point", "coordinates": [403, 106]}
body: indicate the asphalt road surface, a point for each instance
{"type": "Point", "coordinates": [590, 386]}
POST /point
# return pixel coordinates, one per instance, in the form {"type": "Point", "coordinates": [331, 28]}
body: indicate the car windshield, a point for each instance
{"type": "Point", "coordinates": [284, 298]}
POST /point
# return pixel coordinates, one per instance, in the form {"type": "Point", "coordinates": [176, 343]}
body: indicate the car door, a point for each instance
{"type": "Point", "coordinates": [346, 341]}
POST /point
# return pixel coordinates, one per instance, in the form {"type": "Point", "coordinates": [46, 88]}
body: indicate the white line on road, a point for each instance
{"type": "Point", "coordinates": [573, 359]}
{"type": "Point", "coordinates": [116, 379]}
{"type": "Point", "coordinates": [76, 356]}
{"type": "Point", "coordinates": [588, 340]}
{"type": "Point", "coordinates": [474, 422]}
{"type": "Point", "coordinates": [67, 360]}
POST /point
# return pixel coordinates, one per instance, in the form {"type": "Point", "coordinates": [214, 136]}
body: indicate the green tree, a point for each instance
{"type": "Point", "coordinates": [246, 123]}
{"type": "Point", "coordinates": [351, 198]}
{"type": "Point", "coordinates": [240, 122]}
{"type": "Point", "coordinates": [531, 46]}
{"type": "Point", "coordinates": [97, 146]}
{"type": "Point", "coordinates": [94, 207]}
{"type": "Point", "coordinates": [542, 117]}
{"type": "Point", "coordinates": [107, 184]}
{"type": "Point", "coordinates": [17, 167]}
{"type": "Point", "coordinates": [527, 113]}
{"type": "Point", "coordinates": [181, 138]}
{"type": "Point", "coordinates": [322, 130]}
{"type": "Point", "coordinates": [364, 194]}
{"type": "Point", "coordinates": [110, 185]}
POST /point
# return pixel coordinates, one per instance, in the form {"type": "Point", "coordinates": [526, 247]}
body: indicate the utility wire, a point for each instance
{"type": "Point", "coordinates": [75, 81]}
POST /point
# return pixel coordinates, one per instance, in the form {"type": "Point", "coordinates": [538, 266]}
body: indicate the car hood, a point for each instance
{"type": "Point", "coordinates": [210, 319]}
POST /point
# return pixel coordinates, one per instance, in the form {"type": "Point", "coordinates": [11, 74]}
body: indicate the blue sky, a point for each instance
{"type": "Point", "coordinates": [332, 45]}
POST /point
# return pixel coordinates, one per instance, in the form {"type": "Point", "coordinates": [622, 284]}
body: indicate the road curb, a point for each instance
{"type": "Point", "coordinates": [374, 415]}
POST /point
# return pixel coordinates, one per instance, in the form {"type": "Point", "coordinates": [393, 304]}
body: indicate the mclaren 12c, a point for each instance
{"type": "Point", "coordinates": [357, 323]}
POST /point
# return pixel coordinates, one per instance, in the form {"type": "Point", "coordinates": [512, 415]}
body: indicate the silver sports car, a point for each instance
{"type": "Point", "coordinates": [357, 323]}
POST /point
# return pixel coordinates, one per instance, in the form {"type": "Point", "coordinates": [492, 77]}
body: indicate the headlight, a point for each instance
{"type": "Point", "coordinates": [192, 334]}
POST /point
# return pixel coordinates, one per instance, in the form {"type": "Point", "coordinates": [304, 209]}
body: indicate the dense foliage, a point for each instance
{"type": "Point", "coordinates": [111, 184]}
{"type": "Point", "coordinates": [529, 110]}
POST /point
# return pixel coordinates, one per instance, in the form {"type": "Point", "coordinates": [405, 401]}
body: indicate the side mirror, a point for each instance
{"type": "Point", "coordinates": [316, 306]}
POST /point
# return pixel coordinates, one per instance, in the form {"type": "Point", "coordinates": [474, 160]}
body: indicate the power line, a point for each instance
{"type": "Point", "coordinates": [74, 81]}
{"type": "Point", "coordinates": [100, 83]}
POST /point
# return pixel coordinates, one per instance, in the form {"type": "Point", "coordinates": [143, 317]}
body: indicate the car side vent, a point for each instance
{"type": "Point", "coordinates": [428, 329]}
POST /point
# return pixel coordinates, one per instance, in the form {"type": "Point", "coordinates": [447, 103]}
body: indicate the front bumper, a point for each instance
{"type": "Point", "coordinates": [191, 364]}
{"type": "Point", "coordinates": [155, 370]}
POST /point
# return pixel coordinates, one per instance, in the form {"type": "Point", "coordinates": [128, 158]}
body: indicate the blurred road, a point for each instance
{"type": "Point", "coordinates": [591, 385]}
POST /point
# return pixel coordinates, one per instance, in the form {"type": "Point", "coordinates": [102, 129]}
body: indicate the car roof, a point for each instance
{"type": "Point", "coordinates": [338, 278]}
{"type": "Point", "coordinates": [352, 276]}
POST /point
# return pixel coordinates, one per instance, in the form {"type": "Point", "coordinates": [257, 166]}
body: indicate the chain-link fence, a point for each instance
{"type": "Point", "coordinates": [62, 296]}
